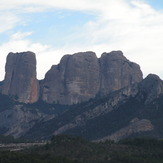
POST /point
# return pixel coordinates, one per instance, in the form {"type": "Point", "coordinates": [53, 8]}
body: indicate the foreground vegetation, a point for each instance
{"type": "Point", "coordinates": [69, 149]}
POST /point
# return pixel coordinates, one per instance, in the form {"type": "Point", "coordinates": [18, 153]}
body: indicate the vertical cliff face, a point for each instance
{"type": "Point", "coordinates": [117, 72]}
{"type": "Point", "coordinates": [20, 78]}
{"type": "Point", "coordinates": [82, 76]}
{"type": "Point", "coordinates": [75, 79]}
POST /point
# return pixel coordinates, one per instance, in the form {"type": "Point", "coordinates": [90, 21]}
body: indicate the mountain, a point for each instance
{"type": "Point", "coordinates": [129, 112]}
{"type": "Point", "coordinates": [77, 78]}
{"type": "Point", "coordinates": [17, 118]}
{"type": "Point", "coordinates": [20, 78]}
{"type": "Point", "coordinates": [95, 98]}
{"type": "Point", "coordinates": [82, 76]}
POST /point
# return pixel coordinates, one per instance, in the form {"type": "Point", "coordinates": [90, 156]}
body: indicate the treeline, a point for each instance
{"type": "Point", "coordinates": [10, 139]}
{"type": "Point", "coordinates": [70, 149]}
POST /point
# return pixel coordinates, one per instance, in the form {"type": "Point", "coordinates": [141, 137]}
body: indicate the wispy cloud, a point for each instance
{"type": "Point", "coordinates": [7, 21]}
{"type": "Point", "coordinates": [20, 35]}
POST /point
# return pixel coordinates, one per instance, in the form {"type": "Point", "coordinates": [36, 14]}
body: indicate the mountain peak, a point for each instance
{"type": "Point", "coordinates": [82, 76]}
{"type": "Point", "coordinates": [77, 78]}
{"type": "Point", "coordinates": [152, 77]}
{"type": "Point", "coordinates": [20, 78]}
{"type": "Point", "coordinates": [151, 87]}
{"type": "Point", "coordinates": [114, 55]}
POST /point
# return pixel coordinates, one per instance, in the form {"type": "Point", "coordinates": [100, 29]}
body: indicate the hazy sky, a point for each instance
{"type": "Point", "coordinates": [54, 28]}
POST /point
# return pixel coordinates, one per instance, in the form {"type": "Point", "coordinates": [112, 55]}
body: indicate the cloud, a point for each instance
{"type": "Point", "coordinates": [46, 55]}
{"type": "Point", "coordinates": [135, 28]}
{"type": "Point", "coordinates": [7, 21]}
{"type": "Point", "coordinates": [20, 35]}
{"type": "Point", "coordinates": [132, 26]}
{"type": "Point", "coordinates": [103, 6]}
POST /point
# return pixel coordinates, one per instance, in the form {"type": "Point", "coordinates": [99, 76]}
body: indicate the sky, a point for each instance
{"type": "Point", "coordinates": [54, 28]}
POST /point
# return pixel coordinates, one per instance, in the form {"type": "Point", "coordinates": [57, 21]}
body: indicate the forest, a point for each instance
{"type": "Point", "coordinates": [70, 149]}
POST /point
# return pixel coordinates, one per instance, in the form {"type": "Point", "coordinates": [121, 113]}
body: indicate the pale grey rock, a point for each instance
{"type": "Point", "coordinates": [19, 120]}
{"type": "Point", "coordinates": [137, 126]}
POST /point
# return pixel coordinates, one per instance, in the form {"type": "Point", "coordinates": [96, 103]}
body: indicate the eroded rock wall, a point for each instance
{"type": "Point", "coordinates": [20, 78]}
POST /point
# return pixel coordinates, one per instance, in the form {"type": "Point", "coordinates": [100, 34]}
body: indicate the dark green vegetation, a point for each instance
{"type": "Point", "coordinates": [10, 139]}
{"type": "Point", "coordinates": [69, 149]}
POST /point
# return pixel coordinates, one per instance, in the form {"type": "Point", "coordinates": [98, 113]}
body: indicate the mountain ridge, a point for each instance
{"type": "Point", "coordinates": [126, 107]}
{"type": "Point", "coordinates": [77, 78]}
{"type": "Point", "coordinates": [95, 98]}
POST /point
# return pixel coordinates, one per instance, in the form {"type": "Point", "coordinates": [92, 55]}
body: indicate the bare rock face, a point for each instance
{"type": "Point", "coordinates": [75, 79]}
{"type": "Point", "coordinates": [82, 76]}
{"type": "Point", "coordinates": [136, 126]}
{"type": "Point", "coordinates": [20, 78]}
{"type": "Point", "coordinates": [18, 120]}
{"type": "Point", "coordinates": [151, 88]}
{"type": "Point", "coordinates": [117, 72]}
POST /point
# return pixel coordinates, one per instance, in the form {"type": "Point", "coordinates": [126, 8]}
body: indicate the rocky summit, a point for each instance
{"type": "Point", "coordinates": [20, 79]}
{"type": "Point", "coordinates": [77, 78]}
{"type": "Point", "coordinates": [117, 72]}
{"type": "Point", "coordinates": [82, 76]}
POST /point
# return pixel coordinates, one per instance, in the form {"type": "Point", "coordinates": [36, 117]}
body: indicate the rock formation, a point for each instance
{"type": "Point", "coordinates": [137, 126]}
{"type": "Point", "coordinates": [124, 104]}
{"type": "Point", "coordinates": [151, 88]}
{"type": "Point", "coordinates": [75, 79]}
{"type": "Point", "coordinates": [131, 111]}
{"type": "Point", "coordinates": [20, 79]}
{"type": "Point", "coordinates": [117, 72]}
{"type": "Point", "coordinates": [82, 76]}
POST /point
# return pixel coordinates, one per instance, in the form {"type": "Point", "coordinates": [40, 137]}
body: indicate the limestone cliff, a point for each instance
{"type": "Point", "coordinates": [82, 76]}
{"type": "Point", "coordinates": [117, 72]}
{"type": "Point", "coordinates": [151, 88]}
{"type": "Point", "coordinates": [75, 79]}
{"type": "Point", "coordinates": [20, 78]}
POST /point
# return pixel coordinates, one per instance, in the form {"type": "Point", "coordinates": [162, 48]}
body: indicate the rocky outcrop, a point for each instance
{"type": "Point", "coordinates": [82, 76]}
{"type": "Point", "coordinates": [117, 72]}
{"type": "Point", "coordinates": [18, 120]}
{"type": "Point", "coordinates": [20, 78]}
{"type": "Point", "coordinates": [135, 127]}
{"type": "Point", "coordinates": [150, 88]}
{"type": "Point", "coordinates": [75, 79]}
